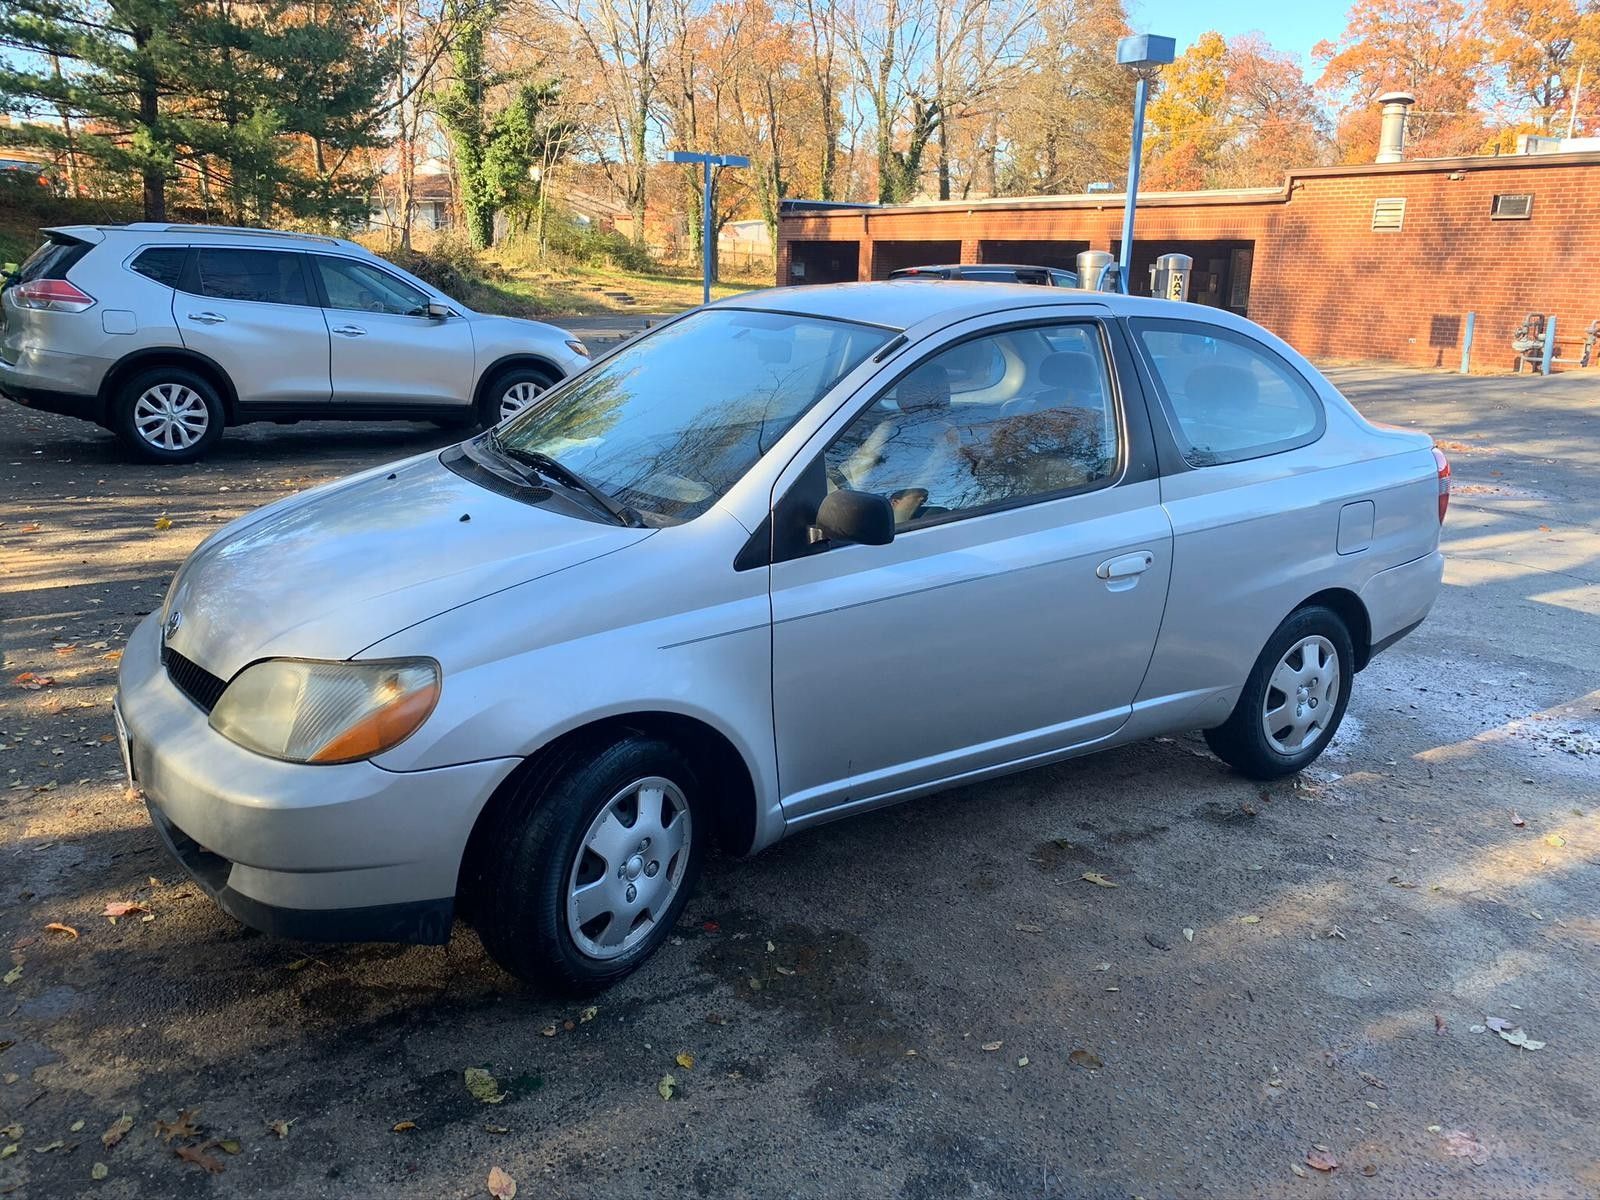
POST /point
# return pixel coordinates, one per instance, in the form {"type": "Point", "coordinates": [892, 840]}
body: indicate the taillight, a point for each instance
{"type": "Point", "coordinates": [1444, 481]}
{"type": "Point", "coordinates": [51, 295]}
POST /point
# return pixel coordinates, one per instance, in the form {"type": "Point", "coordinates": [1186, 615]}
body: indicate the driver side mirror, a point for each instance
{"type": "Point", "coordinates": [438, 312]}
{"type": "Point", "coordinates": [865, 518]}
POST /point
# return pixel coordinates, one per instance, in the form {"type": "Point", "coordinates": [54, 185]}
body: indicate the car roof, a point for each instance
{"type": "Point", "coordinates": [899, 304]}
{"type": "Point", "coordinates": [983, 266]}
{"type": "Point", "coordinates": [221, 235]}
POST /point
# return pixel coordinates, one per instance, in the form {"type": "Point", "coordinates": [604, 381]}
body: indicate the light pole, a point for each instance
{"type": "Point", "coordinates": [1144, 54]}
{"type": "Point", "coordinates": [707, 196]}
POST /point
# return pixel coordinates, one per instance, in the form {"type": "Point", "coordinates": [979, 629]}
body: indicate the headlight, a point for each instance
{"type": "Point", "coordinates": [326, 712]}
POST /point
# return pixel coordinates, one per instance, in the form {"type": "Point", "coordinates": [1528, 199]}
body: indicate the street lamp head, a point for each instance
{"type": "Point", "coordinates": [1143, 51]}
{"type": "Point", "coordinates": [683, 156]}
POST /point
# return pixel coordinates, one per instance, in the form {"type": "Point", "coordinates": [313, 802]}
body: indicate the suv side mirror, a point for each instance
{"type": "Point", "coordinates": [865, 518]}
{"type": "Point", "coordinates": [439, 312]}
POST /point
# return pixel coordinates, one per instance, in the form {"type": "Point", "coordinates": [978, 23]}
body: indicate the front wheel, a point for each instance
{"type": "Point", "coordinates": [583, 877]}
{"type": "Point", "coordinates": [510, 392]}
{"type": "Point", "coordinates": [1294, 699]}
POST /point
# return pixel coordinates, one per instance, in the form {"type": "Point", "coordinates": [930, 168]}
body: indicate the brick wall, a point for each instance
{"type": "Point", "coordinates": [1322, 278]}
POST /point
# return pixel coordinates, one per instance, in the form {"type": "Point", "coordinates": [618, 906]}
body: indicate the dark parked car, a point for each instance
{"type": "Point", "coordinates": [992, 273]}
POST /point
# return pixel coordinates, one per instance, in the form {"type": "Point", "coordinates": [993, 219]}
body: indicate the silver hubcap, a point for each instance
{"type": "Point", "coordinates": [628, 867]}
{"type": "Point", "coordinates": [517, 397]}
{"type": "Point", "coordinates": [1301, 695]}
{"type": "Point", "coordinates": [171, 416]}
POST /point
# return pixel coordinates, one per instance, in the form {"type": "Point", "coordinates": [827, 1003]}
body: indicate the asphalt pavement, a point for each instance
{"type": "Point", "coordinates": [1309, 989]}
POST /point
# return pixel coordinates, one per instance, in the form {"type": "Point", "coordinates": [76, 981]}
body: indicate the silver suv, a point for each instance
{"type": "Point", "coordinates": [166, 333]}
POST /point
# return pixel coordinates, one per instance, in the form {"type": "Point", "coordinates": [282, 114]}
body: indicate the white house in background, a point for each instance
{"type": "Point", "coordinates": [432, 197]}
{"type": "Point", "coordinates": [745, 237]}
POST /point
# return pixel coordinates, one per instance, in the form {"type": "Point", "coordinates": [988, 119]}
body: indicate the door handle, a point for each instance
{"type": "Point", "coordinates": [208, 318]}
{"type": "Point", "coordinates": [351, 331]}
{"type": "Point", "coordinates": [1126, 566]}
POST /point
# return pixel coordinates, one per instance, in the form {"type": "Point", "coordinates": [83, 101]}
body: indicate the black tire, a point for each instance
{"type": "Point", "coordinates": [1242, 740]}
{"type": "Point", "coordinates": [172, 382]}
{"type": "Point", "coordinates": [489, 406]}
{"type": "Point", "coordinates": [522, 860]}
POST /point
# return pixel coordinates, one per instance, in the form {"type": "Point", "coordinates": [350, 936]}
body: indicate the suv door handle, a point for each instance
{"type": "Point", "coordinates": [208, 318]}
{"type": "Point", "coordinates": [351, 331]}
{"type": "Point", "coordinates": [1126, 566]}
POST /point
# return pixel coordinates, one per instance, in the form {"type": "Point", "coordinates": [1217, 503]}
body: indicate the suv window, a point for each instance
{"type": "Point", "coordinates": [1230, 398]}
{"type": "Point", "coordinates": [265, 276]}
{"type": "Point", "coordinates": [51, 261]}
{"type": "Point", "coordinates": [356, 285]}
{"type": "Point", "coordinates": [1044, 425]}
{"type": "Point", "coordinates": [164, 264]}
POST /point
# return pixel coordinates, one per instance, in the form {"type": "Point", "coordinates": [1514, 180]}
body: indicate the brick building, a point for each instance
{"type": "Point", "coordinates": [1377, 261]}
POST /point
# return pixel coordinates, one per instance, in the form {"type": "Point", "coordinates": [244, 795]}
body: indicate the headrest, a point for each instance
{"type": "Point", "coordinates": [926, 389]}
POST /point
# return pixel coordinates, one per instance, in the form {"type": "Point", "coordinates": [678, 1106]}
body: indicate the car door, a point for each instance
{"type": "Point", "coordinates": [386, 349]}
{"type": "Point", "coordinates": [1014, 613]}
{"type": "Point", "coordinates": [250, 312]}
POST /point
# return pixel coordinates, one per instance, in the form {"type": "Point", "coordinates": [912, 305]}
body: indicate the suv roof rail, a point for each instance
{"type": "Point", "coordinates": [163, 227]}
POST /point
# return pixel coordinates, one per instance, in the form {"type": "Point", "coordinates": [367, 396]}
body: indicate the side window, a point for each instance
{"type": "Point", "coordinates": [1230, 398]}
{"type": "Point", "coordinates": [1042, 423]}
{"type": "Point", "coordinates": [265, 276]}
{"type": "Point", "coordinates": [164, 264]}
{"type": "Point", "coordinates": [1064, 279]}
{"type": "Point", "coordinates": [364, 288]}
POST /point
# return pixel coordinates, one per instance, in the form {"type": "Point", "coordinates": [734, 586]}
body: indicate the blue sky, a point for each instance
{"type": "Point", "coordinates": [1292, 25]}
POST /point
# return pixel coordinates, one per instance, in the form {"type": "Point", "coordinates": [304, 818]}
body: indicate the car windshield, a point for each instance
{"type": "Point", "coordinates": [668, 424]}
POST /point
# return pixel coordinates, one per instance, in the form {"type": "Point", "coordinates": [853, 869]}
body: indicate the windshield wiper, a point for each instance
{"type": "Point", "coordinates": [553, 468]}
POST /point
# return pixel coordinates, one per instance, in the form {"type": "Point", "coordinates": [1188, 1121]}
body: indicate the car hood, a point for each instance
{"type": "Point", "coordinates": [328, 573]}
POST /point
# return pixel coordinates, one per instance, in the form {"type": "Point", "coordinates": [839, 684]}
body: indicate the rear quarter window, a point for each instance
{"type": "Point", "coordinates": [164, 264]}
{"type": "Point", "coordinates": [1227, 397]}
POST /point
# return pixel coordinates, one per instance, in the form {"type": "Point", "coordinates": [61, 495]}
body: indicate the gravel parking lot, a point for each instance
{"type": "Point", "coordinates": [926, 1002]}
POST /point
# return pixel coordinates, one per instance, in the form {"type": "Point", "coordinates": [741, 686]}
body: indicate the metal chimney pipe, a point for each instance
{"type": "Point", "coordinates": [1392, 139]}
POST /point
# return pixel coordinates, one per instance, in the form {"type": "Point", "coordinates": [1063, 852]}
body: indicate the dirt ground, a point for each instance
{"type": "Point", "coordinates": [926, 1002]}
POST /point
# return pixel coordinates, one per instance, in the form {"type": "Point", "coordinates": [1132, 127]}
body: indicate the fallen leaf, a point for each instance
{"type": "Point", "coordinates": [1464, 1145]}
{"type": "Point", "coordinates": [1496, 1023]}
{"type": "Point", "coordinates": [1097, 879]}
{"type": "Point", "coordinates": [33, 527]}
{"type": "Point", "coordinates": [112, 656]}
{"type": "Point", "coordinates": [299, 964]}
{"type": "Point", "coordinates": [1023, 1061]}
{"type": "Point", "coordinates": [1152, 940]}
{"type": "Point", "coordinates": [8, 1150]}
{"type": "Point", "coordinates": [549, 1030]}
{"type": "Point", "coordinates": [75, 1127]}
{"type": "Point", "coordinates": [163, 522]}
{"type": "Point", "coordinates": [1516, 819]}
{"type": "Point", "coordinates": [45, 1149]}
{"type": "Point", "coordinates": [28, 681]}
{"type": "Point", "coordinates": [716, 1018]}
{"type": "Point", "coordinates": [1320, 1159]}
{"type": "Point", "coordinates": [58, 927]}
{"type": "Point", "coordinates": [1027, 927]}
{"type": "Point", "coordinates": [1371, 1080]}
{"type": "Point", "coordinates": [230, 1145]}
{"type": "Point", "coordinates": [281, 1128]}
{"type": "Point", "coordinates": [99, 1171]}
{"type": "Point", "coordinates": [497, 1129]}
{"type": "Point", "coordinates": [1555, 839]}
{"type": "Point", "coordinates": [12, 975]}
{"type": "Point", "coordinates": [1370, 1170]}
{"type": "Point", "coordinates": [588, 1015]}
{"type": "Point", "coordinates": [123, 908]}
{"type": "Point", "coordinates": [992, 1046]}
{"type": "Point", "coordinates": [1438, 1024]}
{"type": "Point", "coordinates": [666, 1086]}
{"type": "Point", "coordinates": [402, 1127]}
{"type": "Point", "coordinates": [197, 1156]}
{"type": "Point", "coordinates": [183, 1126]}
{"type": "Point", "coordinates": [1517, 1037]}
{"type": "Point", "coordinates": [1188, 935]}
{"type": "Point", "coordinates": [482, 1085]}
{"type": "Point", "coordinates": [1085, 1059]}
{"type": "Point", "coordinates": [117, 1132]}
{"type": "Point", "coordinates": [685, 1060]}
{"type": "Point", "coordinates": [1298, 1170]}
{"type": "Point", "coordinates": [711, 927]}
{"type": "Point", "coordinates": [501, 1186]}
{"type": "Point", "coordinates": [1252, 919]}
{"type": "Point", "coordinates": [11, 1133]}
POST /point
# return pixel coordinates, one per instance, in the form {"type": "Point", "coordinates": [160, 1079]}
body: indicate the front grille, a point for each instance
{"type": "Point", "coordinates": [193, 680]}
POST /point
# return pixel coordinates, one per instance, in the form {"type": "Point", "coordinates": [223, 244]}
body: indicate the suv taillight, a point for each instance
{"type": "Point", "coordinates": [1444, 481]}
{"type": "Point", "coordinates": [51, 295]}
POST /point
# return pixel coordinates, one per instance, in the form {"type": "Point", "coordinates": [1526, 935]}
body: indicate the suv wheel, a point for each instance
{"type": "Point", "coordinates": [168, 415]}
{"type": "Point", "coordinates": [586, 869]}
{"type": "Point", "coordinates": [510, 392]}
{"type": "Point", "coordinates": [1293, 701]}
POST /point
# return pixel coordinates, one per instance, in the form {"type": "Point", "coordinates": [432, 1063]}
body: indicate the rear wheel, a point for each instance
{"type": "Point", "coordinates": [510, 392]}
{"type": "Point", "coordinates": [168, 415]}
{"type": "Point", "coordinates": [1294, 699]}
{"type": "Point", "coordinates": [584, 871]}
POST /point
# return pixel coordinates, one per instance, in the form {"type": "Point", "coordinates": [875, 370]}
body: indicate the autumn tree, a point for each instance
{"type": "Point", "coordinates": [1434, 49]}
{"type": "Point", "coordinates": [1537, 49]}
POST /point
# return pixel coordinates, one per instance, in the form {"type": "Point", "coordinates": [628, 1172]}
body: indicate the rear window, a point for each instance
{"type": "Point", "coordinates": [1229, 397]}
{"type": "Point", "coordinates": [265, 276]}
{"type": "Point", "coordinates": [52, 260]}
{"type": "Point", "coordinates": [164, 264]}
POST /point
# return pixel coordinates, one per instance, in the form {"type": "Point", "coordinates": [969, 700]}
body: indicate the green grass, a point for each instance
{"type": "Point", "coordinates": [573, 290]}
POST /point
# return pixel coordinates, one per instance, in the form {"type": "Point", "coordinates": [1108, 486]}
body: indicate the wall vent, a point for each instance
{"type": "Point", "coordinates": [1388, 214]}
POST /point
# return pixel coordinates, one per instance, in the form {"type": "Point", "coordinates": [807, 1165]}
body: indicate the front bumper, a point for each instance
{"type": "Point", "coordinates": [329, 853]}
